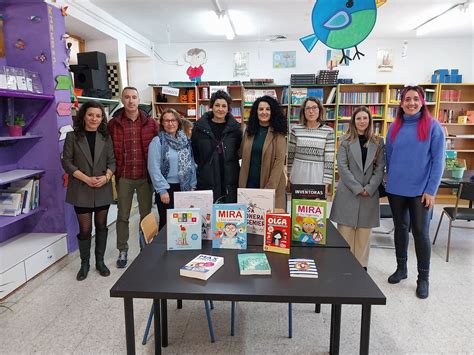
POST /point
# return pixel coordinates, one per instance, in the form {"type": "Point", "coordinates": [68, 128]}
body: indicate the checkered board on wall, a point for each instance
{"type": "Point", "coordinates": [113, 75]}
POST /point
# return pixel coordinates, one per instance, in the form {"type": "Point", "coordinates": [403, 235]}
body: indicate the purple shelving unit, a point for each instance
{"type": "Point", "coordinates": [41, 149]}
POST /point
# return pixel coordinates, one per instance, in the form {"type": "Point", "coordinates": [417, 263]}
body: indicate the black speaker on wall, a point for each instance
{"type": "Point", "coordinates": [90, 79]}
{"type": "Point", "coordinates": [94, 60]}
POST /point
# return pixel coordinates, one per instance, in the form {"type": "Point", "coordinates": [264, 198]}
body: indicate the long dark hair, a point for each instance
{"type": "Point", "coordinates": [79, 124]}
{"type": "Point", "coordinates": [278, 120]}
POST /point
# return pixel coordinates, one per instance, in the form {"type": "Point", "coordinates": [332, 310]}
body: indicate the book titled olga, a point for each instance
{"type": "Point", "coordinates": [202, 266]}
{"type": "Point", "coordinates": [183, 229]}
{"type": "Point", "coordinates": [229, 226]}
{"type": "Point", "coordinates": [277, 233]}
{"type": "Point", "coordinates": [308, 221]}
{"type": "Point", "coordinates": [197, 199]}
{"type": "Point", "coordinates": [258, 202]}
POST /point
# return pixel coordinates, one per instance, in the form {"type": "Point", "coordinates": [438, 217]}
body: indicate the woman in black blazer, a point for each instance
{"type": "Point", "coordinates": [89, 160]}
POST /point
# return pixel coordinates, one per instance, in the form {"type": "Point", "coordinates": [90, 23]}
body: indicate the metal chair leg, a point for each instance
{"type": "Point", "coordinates": [449, 240]}
{"type": "Point", "coordinates": [232, 319]}
{"type": "Point", "coordinates": [179, 304]}
{"type": "Point", "coordinates": [290, 321]}
{"type": "Point", "coordinates": [437, 229]}
{"type": "Point", "coordinates": [212, 304]}
{"type": "Point", "coordinates": [209, 321]}
{"type": "Point", "coordinates": [148, 324]}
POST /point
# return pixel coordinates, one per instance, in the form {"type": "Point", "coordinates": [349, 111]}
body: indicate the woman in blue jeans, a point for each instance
{"type": "Point", "coordinates": [415, 164]}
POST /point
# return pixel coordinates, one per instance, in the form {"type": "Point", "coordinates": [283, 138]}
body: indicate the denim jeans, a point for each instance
{"type": "Point", "coordinates": [410, 212]}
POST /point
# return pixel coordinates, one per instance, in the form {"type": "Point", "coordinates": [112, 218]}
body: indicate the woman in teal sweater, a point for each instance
{"type": "Point", "coordinates": [415, 164]}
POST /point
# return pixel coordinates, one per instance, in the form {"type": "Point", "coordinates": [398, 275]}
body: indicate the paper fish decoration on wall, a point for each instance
{"type": "Point", "coordinates": [41, 58]}
{"type": "Point", "coordinates": [20, 44]}
{"type": "Point", "coordinates": [35, 19]}
{"type": "Point", "coordinates": [342, 24]}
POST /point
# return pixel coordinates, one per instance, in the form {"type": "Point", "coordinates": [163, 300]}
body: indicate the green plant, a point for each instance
{"type": "Point", "coordinates": [459, 163]}
{"type": "Point", "coordinates": [19, 120]}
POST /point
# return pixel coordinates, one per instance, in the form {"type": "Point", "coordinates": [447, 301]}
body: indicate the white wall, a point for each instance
{"type": "Point", "coordinates": [424, 56]}
{"type": "Point", "coordinates": [141, 72]}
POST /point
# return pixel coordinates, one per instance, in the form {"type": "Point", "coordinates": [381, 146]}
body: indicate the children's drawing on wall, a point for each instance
{"type": "Point", "coordinates": [342, 24]}
{"type": "Point", "coordinates": [284, 59]}
{"type": "Point", "coordinates": [385, 59]}
{"type": "Point", "coordinates": [196, 57]}
{"type": "Point", "coordinates": [334, 58]}
{"type": "Point", "coordinates": [241, 64]}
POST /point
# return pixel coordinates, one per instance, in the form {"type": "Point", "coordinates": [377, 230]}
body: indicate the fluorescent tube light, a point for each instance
{"type": "Point", "coordinates": [444, 20]}
{"type": "Point", "coordinates": [226, 24]}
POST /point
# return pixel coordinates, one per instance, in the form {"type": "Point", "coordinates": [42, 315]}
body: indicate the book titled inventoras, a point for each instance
{"type": "Point", "coordinates": [302, 268]}
{"type": "Point", "coordinates": [183, 231]}
{"type": "Point", "coordinates": [197, 199]}
{"type": "Point", "coordinates": [254, 264]}
{"type": "Point", "coordinates": [229, 226]}
{"type": "Point", "coordinates": [277, 232]}
{"type": "Point", "coordinates": [308, 221]}
{"type": "Point", "coordinates": [202, 266]}
{"type": "Point", "coordinates": [258, 202]}
{"type": "Point", "coordinates": [308, 192]}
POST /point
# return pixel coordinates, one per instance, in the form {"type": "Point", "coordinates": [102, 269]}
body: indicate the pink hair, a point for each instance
{"type": "Point", "coordinates": [423, 125]}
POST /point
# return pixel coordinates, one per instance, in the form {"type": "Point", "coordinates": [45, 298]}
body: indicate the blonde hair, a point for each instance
{"type": "Point", "coordinates": [369, 133]}
{"type": "Point", "coordinates": [322, 112]}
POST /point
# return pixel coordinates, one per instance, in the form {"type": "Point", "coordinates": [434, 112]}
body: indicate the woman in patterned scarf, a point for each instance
{"type": "Point", "coordinates": [170, 162]}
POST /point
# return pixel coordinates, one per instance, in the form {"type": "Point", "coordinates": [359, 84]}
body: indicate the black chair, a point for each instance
{"type": "Point", "coordinates": [385, 212]}
{"type": "Point", "coordinates": [456, 213]}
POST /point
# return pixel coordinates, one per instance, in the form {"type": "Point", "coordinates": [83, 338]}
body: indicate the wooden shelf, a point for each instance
{"type": "Point", "coordinates": [456, 102]}
{"type": "Point", "coordinates": [18, 174]}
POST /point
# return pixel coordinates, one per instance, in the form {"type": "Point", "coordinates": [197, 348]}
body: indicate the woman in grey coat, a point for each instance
{"type": "Point", "coordinates": [88, 158]}
{"type": "Point", "coordinates": [360, 163]}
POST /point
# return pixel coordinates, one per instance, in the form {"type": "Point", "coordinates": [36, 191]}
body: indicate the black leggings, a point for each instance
{"type": "Point", "coordinates": [85, 220]}
{"type": "Point", "coordinates": [163, 208]}
{"type": "Point", "coordinates": [410, 212]}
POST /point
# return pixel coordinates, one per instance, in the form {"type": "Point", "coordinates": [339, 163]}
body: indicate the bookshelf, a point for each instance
{"type": "Point", "coordinates": [455, 102]}
{"type": "Point", "coordinates": [31, 242]}
{"type": "Point", "coordinates": [183, 100]}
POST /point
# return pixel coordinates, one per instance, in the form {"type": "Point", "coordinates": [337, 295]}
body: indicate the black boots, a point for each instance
{"type": "Point", "coordinates": [100, 245]}
{"type": "Point", "coordinates": [400, 273]}
{"type": "Point", "coordinates": [422, 288]}
{"type": "Point", "coordinates": [85, 253]}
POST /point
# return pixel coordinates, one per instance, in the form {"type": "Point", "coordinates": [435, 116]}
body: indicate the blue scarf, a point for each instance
{"type": "Point", "coordinates": [182, 145]}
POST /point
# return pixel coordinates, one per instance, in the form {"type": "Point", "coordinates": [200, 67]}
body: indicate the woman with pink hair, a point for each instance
{"type": "Point", "coordinates": [415, 164]}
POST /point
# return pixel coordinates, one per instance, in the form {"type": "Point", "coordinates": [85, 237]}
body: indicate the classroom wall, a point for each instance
{"type": "Point", "coordinates": [423, 56]}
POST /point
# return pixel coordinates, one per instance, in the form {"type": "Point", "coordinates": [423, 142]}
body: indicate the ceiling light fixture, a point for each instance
{"type": "Point", "coordinates": [433, 23]}
{"type": "Point", "coordinates": [225, 21]}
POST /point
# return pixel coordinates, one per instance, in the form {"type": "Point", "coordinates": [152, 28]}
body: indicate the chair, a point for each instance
{"type": "Point", "coordinates": [385, 212]}
{"type": "Point", "coordinates": [149, 230]}
{"type": "Point", "coordinates": [456, 213]}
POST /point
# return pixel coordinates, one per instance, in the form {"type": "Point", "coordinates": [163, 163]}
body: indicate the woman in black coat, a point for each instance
{"type": "Point", "coordinates": [88, 158]}
{"type": "Point", "coordinates": [216, 141]}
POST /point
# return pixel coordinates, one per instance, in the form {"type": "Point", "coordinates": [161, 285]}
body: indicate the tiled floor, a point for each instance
{"type": "Point", "coordinates": [55, 314]}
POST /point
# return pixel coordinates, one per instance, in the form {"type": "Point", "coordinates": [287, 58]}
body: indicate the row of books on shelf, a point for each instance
{"type": "Point", "coordinates": [19, 197]}
{"type": "Point", "coordinates": [376, 110]}
{"type": "Point", "coordinates": [250, 95]}
{"type": "Point", "coordinates": [395, 95]}
{"type": "Point", "coordinates": [450, 95]}
{"type": "Point", "coordinates": [360, 97]}
{"type": "Point", "coordinates": [204, 266]}
{"type": "Point", "coordinates": [343, 127]}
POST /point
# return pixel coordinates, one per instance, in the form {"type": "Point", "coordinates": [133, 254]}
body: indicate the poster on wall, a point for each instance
{"type": "Point", "coordinates": [284, 59]}
{"type": "Point", "coordinates": [241, 64]}
{"type": "Point", "coordinates": [334, 58]}
{"type": "Point", "coordinates": [384, 59]}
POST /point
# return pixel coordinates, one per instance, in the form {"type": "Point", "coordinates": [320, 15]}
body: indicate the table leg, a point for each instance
{"type": "Point", "coordinates": [164, 323]}
{"type": "Point", "coordinates": [156, 325]}
{"type": "Point", "coordinates": [129, 325]}
{"type": "Point", "coordinates": [179, 304]}
{"type": "Point", "coordinates": [317, 308]}
{"type": "Point", "coordinates": [335, 329]}
{"type": "Point", "coordinates": [365, 329]}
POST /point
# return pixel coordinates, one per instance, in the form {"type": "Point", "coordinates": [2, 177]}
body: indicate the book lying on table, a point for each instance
{"type": "Point", "coordinates": [229, 226]}
{"type": "Point", "coordinates": [303, 268]}
{"type": "Point", "coordinates": [254, 264]}
{"type": "Point", "coordinates": [277, 233]}
{"type": "Point", "coordinates": [197, 199]}
{"type": "Point", "coordinates": [183, 229]}
{"type": "Point", "coordinates": [202, 266]}
{"type": "Point", "coordinates": [258, 202]}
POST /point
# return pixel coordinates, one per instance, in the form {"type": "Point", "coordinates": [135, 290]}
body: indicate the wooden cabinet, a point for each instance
{"type": "Point", "coordinates": [183, 100]}
{"type": "Point", "coordinates": [252, 92]}
{"type": "Point", "coordinates": [204, 93]}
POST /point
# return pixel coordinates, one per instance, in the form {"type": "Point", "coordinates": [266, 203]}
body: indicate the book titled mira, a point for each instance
{"type": "Point", "coordinates": [308, 221]}
{"type": "Point", "coordinates": [202, 266]}
{"type": "Point", "coordinates": [229, 226]}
